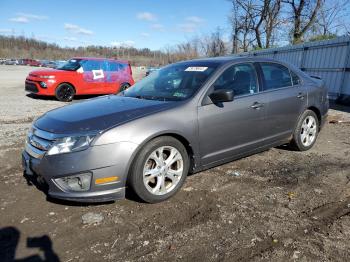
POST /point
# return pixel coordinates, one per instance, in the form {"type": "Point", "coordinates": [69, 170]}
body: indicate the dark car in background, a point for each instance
{"type": "Point", "coordinates": [186, 117]}
{"type": "Point", "coordinates": [49, 64]}
{"type": "Point", "coordinates": [150, 70]}
{"type": "Point", "coordinates": [60, 63]}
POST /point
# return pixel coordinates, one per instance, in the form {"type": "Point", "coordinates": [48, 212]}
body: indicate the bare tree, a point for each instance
{"type": "Point", "coordinates": [272, 20]}
{"type": "Point", "coordinates": [217, 45]}
{"type": "Point", "coordinates": [303, 14]}
{"type": "Point", "coordinates": [331, 17]}
{"type": "Point", "coordinates": [236, 28]}
{"type": "Point", "coordinates": [254, 22]}
{"type": "Point", "coordinates": [213, 44]}
{"type": "Point", "coordinates": [242, 25]}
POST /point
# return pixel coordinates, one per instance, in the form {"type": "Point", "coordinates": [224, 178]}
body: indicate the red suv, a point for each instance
{"type": "Point", "coordinates": [81, 76]}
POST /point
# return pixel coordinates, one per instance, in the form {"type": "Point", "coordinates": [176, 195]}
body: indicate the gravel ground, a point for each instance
{"type": "Point", "coordinates": [279, 205]}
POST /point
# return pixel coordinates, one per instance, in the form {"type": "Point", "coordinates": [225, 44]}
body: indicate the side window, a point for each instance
{"type": "Point", "coordinates": [275, 76]}
{"type": "Point", "coordinates": [122, 66]}
{"type": "Point", "coordinates": [295, 78]}
{"type": "Point", "coordinates": [170, 81]}
{"type": "Point", "coordinates": [240, 78]}
{"type": "Point", "coordinates": [105, 66]}
{"type": "Point", "coordinates": [113, 66]}
{"type": "Point", "coordinates": [89, 65]}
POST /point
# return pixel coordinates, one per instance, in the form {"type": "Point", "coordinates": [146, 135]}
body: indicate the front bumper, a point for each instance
{"type": "Point", "coordinates": [100, 161]}
{"type": "Point", "coordinates": [32, 85]}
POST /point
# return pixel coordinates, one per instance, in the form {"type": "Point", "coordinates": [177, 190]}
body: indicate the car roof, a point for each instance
{"type": "Point", "coordinates": [228, 59]}
{"type": "Point", "coordinates": [102, 58]}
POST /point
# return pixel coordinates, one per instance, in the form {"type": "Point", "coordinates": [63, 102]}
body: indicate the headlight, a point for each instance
{"type": "Point", "coordinates": [47, 77]}
{"type": "Point", "coordinates": [70, 144]}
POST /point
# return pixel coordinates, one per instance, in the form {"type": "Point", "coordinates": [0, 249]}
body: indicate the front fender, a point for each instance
{"type": "Point", "coordinates": [176, 122]}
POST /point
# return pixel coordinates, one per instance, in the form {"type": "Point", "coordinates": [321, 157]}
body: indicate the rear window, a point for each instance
{"type": "Point", "coordinates": [123, 66]}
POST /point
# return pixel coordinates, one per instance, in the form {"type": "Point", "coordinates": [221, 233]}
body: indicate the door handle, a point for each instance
{"type": "Point", "coordinates": [257, 105]}
{"type": "Point", "coordinates": [301, 96]}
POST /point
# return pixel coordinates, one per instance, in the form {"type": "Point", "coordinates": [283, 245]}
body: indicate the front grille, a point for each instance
{"type": "Point", "coordinates": [38, 143]}
{"type": "Point", "coordinates": [31, 87]}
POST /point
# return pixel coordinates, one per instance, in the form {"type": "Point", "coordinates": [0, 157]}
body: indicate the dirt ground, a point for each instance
{"type": "Point", "coordinates": [279, 205]}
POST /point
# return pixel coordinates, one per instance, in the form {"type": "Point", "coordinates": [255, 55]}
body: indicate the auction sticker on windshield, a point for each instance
{"type": "Point", "coordinates": [196, 69]}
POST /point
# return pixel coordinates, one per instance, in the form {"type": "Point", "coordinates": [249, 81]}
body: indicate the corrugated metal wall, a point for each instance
{"type": "Point", "coordinates": [327, 59]}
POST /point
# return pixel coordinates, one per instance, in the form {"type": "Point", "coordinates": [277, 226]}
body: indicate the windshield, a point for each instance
{"type": "Point", "coordinates": [173, 83]}
{"type": "Point", "coordinates": [71, 65]}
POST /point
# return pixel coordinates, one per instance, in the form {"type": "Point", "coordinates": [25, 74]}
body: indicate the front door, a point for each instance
{"type": "Point", "coordinates": [232, 128]}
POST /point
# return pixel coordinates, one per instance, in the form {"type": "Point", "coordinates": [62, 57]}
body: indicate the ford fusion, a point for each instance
{"type": "Point", "coordinates": [183, 118]}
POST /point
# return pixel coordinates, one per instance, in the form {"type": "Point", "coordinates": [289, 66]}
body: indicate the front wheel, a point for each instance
{"type": "Point", "coordinates": [306, 131]}
{"type": "Point", "coordinates": [65, 92]}
{"type": "Point", "coordinates": [159, 170]}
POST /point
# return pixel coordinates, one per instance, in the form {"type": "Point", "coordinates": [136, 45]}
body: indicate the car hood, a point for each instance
{"type": "Point", "coordinates": [46, 72]}
{"type": "Point", "coordinates": [98, 114]}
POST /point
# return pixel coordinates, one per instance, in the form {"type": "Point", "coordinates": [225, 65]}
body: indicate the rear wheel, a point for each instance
{"type": "Point", "coordinates": [65, 92]}
{"type": "Point", "coordinates": [305, 134]}
{"type": "Point", "coordinates": [124, 87]}
{"type": "Point", "coordinates": [159, 170]}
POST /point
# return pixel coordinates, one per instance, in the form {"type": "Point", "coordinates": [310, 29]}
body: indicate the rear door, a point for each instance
{"type": "Point", "coordinates": [113, 80]}
{"type": "Point", "coordinates": [287, 99]}
{"type": "Point", "coordinates": [93, 76]}
{"type": "Point", "coordinates": [233, 128]}
{"type": "Point", "coordinates": [125, 73]}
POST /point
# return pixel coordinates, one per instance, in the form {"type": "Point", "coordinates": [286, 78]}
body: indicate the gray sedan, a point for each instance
{"type": "Point", "coordinates": [184, 118]}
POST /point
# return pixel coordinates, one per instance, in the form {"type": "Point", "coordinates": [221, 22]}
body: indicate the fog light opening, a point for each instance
{"type": "Point", "coordinates": [77, 183]}
{"type": "Point", "coordinates": [43, 84]}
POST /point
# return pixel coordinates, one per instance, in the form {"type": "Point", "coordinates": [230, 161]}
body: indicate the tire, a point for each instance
{"type": "Point", "coordinates": [306, 131]}
{"type": "Point", "coordinates": [150, 169]}
{"type": "Point", "coordinates": [123, 87]}
{"type": "Point", "coordinates": [65, 92]}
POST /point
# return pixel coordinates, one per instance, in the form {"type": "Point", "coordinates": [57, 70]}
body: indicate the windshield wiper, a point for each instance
{"type": "Point", "coordinates": [159, 98]}
{"type": "Point", "coordinates": [139, 97]}
{"type": "Point", "coordinates": [143, 97]}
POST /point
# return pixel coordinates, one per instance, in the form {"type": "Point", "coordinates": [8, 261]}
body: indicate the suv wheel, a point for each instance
{"type": "Point", "coordinates": [65, 92]}
{"type": "Point", "coordinates": [159, 170]}
{"type": "Point", "coordinates": [124, 87]}
{"type": "Point", "coordinates": [305, 134]}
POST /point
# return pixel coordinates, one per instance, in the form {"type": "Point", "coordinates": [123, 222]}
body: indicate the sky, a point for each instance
{"type": "Point", "coordinates": [152, 24]}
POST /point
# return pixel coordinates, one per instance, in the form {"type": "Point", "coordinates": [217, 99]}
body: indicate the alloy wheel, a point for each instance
{"type": "Point", "coordinates": [308, 131]}
{"type": "Point", "coordinates": [163, 170]}
{"type": "Point", "coordinates": [65, 93]}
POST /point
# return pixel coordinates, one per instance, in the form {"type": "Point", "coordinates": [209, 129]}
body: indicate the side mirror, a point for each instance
{"type": "Point", "coordinates": [221, 95]}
